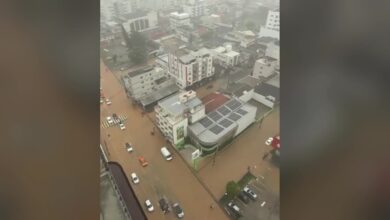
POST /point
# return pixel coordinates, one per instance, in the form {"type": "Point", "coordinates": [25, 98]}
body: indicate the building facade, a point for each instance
{"type": "Point", "coordinates": [144, 82]}
{"type": "Point", "coordinates": [265, 67]}
{"type": "Point", "coordinates": [195, 8]}
{"type": "Point", "coordinates": [225, 56]}
{"type": "Point", "coordinates": [189, 67]}
{"type": "Point", "coordinates": [272, 26]}
{"type": "Point", "coordinates": [175, 113]}
{"type": "Point", "coordinates": [178, 19]}
{"type": "Point", "coordinates": [140, 21]}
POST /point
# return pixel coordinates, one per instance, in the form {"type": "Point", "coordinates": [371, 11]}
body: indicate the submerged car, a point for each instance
{"type": "Point", "coordinates": [129, 148]}
{"type": "Point", "coordinates": [178, 210]}
{"type": "Point", "coordinates": [234, 207]}
{"type": "Point", "coordinates": [142, 161]}
{"type": "Point", "coordinates": [134, 178]}
{"type": "Point", "coordinates": [122, 126]}
{"type": "Point", "coordinates": [269, 141]}
{"type": "Point", "coordinates": [243, 197]}
{"type": "Point", "coordinates": [149, 205]}
{"type": "Point", "coordinates": [164, 205]}
{"type": "Point", "coordinates": [250, 193]}
{"type": "Point", "coordinates": [108, 102]}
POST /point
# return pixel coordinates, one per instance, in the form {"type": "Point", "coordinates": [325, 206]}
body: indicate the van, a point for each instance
{"type": "Point", "coordinates": [166, 154]}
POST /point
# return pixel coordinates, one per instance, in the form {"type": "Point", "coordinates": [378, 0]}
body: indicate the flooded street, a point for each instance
{"type": "Point", "coordinates": [172, 179]}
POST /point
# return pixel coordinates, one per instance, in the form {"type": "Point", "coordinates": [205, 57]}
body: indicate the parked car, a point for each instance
{"type": "Point", "coordinates": [234, 208]}
{"type": "Point", "coordinates": [269, 141]}
{"type": "Point", "coordinates": [250, 193]}
{"type": "Point", "coordinates": [129, 148]}
{"type": "Point", "coordinates": [108, 102]}
{"type": "Point", "coordinates": [166, 154]}
{"type": "Point", "coordinates": [109, 120]}
{"type": "Point", "coordinates": [178, 210]}
{"type": "Point", "coordinates": [101, 101]}
{"type": "Point", "coordinates": [149, 205]}
{"type": "Point", "coordinates": [142, 161]}
{"type": "Point", "coordinates": [243, 197]}
{"type": "Point", "coordinates": [134, 178]}
{"type": "Point", "coordinates": [122, 126]}
{"type": "Point", "coordinates": [164, 205]}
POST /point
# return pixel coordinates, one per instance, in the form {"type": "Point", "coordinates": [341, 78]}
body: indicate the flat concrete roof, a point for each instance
{"type": "Point", "coordinates": [173, 105]}
{"type": "Point", "coordinates": [160, 94]}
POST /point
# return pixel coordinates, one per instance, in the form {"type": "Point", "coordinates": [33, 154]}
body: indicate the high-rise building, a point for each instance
{"type": "Point", "coordinates": [272, 25]}
{"type": "Point", "coordinates": [189, 67]}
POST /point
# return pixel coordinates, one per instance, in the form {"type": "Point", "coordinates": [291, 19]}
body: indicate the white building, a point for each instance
{"type": "Point", "coordinates": [177, 19]}
{"type": "Point", "coordinates": [189, 67]}
{"type": "Point", "coordinates": [244, 38]}
{"type": "Point", "coordinates": [140, 21]}
{"type": "Point", "coordinates": [273, 20]}
{"type": "Point", "coordinates": [265, 67]}
{"type": "Point", "coordinates": [144, 81]}
{"type": "Point", "coordinates": [195, 8]}
{"type": "Point", "coordinates": [272, 26]}
{"type": "Point", "coordinates": [273, 50]}
{"type": "Point", "coordinates": [226, 56]}
{"type": "Point", "coordinates": [174, 113]}
{"type": "Point", "coordinates": [111, 9]}
{"type": "Point", "coordinates": [221, 125]}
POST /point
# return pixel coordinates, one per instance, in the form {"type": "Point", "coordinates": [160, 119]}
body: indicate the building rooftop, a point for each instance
{"type": "Point", "coordinates": [274, 81]}
{"type": "Point", "coordinates": [140, 71]}
{"type": "Point", "coordinates": [232, 53]}
{"type": "Point", "coordinates": [268, 90]}
{"type": "Point", "coordinates": [173, 105]}
{"type": "Point", "coordinates": [222, 121]}
{"type": "Point", "coordinates": [178, 15]}
{"type": "Point", "coordinates": [250, 81]}
{"type": "Point", "coordinates": [160, 94]}
{"type": "Point", "coordinates": [213, 101]}
{"type": "Point", "coordinates": [136, 14]}
{"type": "Point", "coordinates": [172, 44]}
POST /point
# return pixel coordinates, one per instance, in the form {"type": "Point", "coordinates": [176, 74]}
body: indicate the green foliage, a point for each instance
{"type": "Point", "coordinates": [232, 189]}
{"type": "Point", "coordinates": [137, 49]}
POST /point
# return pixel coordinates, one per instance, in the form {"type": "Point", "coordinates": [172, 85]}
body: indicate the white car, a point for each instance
{"type": "Point", "coordinates": [122, 126]}
{"type": "Point", "coordinates": [109, 120]}
{"type": "Point", "coordinates": [108, 102]}
{"type": "Point", "coordinates": [149, 205]}
{"type": "Point", "coordinates": [134, 178]}
{"type": "Point", "coordinates": [129, 148]}
{"type": "Point", "coordinates": [101, 101]}
{"type": "Point", "coordinates": [269, 141]}
{"type": "Point", "coordinates": [250, 193]}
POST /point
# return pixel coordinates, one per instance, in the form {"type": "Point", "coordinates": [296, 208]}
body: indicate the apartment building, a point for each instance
{"type": "Point", "coordinates": [195, 8]}
{"type": "Point", "coordinates": [177, 19]}
{"type": "Point", "coordinates": [265, 67]}
{"type": "Point", "coordinates": [272, 26]}
{"type": "Point", "coordinates": [225, 56]}
{"type": "Point", "coordinates": [189, 67]}
{"type": "Point", "coordinates": [175, 113]}
{"type": "Point", "coordinates": [140, 21]}
{"type": "Point", "coordinates": [145, 81]}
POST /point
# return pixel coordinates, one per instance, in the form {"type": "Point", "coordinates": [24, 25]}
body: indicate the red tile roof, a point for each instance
{"type": "Point", "coordinates": [213, 101]}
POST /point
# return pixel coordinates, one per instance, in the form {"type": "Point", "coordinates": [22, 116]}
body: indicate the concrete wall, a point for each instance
{"type": "Point", "coordinates": [246, 96]}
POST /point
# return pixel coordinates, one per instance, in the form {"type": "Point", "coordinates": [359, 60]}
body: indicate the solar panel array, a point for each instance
{"type": "Point", "coordinates": [225, 123]}
{"type": "Point", "coordinates": [206, 122]}
{"type": "Point", "coordinates": [234, 116]}
{"type": "Point", "coordinates": [223, 110]}
{"type": "Point", "coordinates": [233, 104]}
{"type": "Point", "coordinates": [215, 116]}
{"type": "Point", "coordinates": [241, 111]}
{"type": "Point", "coordinates": [216, 129]}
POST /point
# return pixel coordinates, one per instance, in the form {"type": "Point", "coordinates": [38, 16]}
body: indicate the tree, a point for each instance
{"type": "Point", "coordinates": [232, 189]}
{"type": "Point", "coordinates": [138, 48]}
